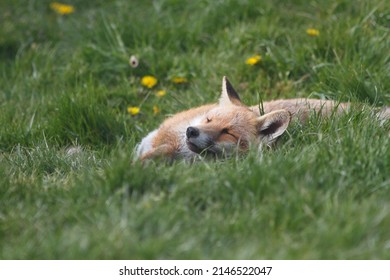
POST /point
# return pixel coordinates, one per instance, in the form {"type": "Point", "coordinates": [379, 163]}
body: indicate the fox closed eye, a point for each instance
{"type": "Point", "coordinates": [226, 131]}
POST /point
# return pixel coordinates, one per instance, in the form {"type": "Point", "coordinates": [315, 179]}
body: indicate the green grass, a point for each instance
{"type": "Point", "coordinates": [323, 193]}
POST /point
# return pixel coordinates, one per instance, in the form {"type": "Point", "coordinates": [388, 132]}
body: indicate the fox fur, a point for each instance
{"type": "Point", "coordinates": [222, 128]}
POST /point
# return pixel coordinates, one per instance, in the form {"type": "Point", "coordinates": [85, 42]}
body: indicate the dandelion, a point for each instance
{"type": "Point", "coordinates": [161, 93]}
{"type": "Point", "coordinates": [133, 110]}
{"type": "Point", "coordinates": [156, 110]}
{"type": "Point", "coordinates": [312, 32]}
{"type": "Point", "coordinates": [179, 80]}
{"type": "Point", "coordinates": [61, 9]}
{"type": "Point", "coordinates": [133, 61]}
{"type": "Point", "coordinates": [148, 81]}
{"type": "Point", "coordinates": [253, 60]}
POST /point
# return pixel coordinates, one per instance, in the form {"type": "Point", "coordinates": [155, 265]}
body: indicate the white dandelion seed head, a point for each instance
{"type": "Point", "coordinates": [133, 61]}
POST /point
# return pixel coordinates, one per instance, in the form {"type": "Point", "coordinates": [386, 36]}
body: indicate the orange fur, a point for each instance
{"type": "Point", "coordinates": [170, 128]}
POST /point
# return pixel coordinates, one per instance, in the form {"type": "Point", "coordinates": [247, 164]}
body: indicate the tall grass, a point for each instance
{"type": "Point", "coordinates": [69, 188]}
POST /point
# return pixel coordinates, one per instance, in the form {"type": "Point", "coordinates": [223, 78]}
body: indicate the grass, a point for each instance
{"type": "Point", "coordinates": [68, 189]}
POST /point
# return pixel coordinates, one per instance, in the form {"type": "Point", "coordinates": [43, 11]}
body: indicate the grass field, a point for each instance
{"type": "Point", "coordinates": [68, 189]}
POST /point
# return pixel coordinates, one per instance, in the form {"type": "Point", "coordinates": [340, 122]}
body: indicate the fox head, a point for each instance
{"type": "Point", "coordinates": [232, 125]}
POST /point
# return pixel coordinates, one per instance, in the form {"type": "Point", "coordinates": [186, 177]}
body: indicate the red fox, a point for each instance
{"type": "Point", "coordinates": [222, 128]}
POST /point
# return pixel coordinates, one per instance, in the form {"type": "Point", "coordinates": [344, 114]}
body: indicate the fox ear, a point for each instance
{"type": "Point", "coordinates": [270, 126]}
{"type": "Point", "coordinates": [229, 95]}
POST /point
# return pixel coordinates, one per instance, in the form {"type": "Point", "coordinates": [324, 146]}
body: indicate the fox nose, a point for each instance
{"type": "Point", "coordinates": [192, 132]}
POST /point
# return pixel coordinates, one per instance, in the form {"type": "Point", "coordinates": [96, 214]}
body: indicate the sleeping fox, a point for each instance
{"type": "Point", "coordinates": [227, 126]}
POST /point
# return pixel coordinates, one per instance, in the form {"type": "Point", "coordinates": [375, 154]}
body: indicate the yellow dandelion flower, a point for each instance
{"type": "Point", "coordinates": [161, 93]}
{"type": "Point", "coordinates": [133, 110]}
{"type": "Point", "coordinates": [156, 110]}
{"type": "Point", "coordinates": [61, 9]}
{"type": "Point", "coordinates": [148, 81]}
{"type": "Point", "coordinates": [312, 32]}
{"type": "Point", "coordinates": [179, 80]}
{"type": "Point", "coordinates": [253, 60]}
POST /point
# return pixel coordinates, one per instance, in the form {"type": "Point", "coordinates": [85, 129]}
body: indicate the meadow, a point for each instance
{"type": "Point", "coordinates": [73, 106]}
